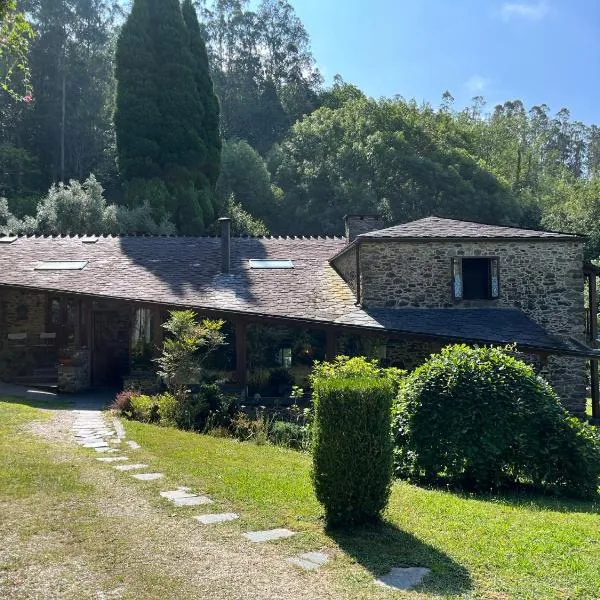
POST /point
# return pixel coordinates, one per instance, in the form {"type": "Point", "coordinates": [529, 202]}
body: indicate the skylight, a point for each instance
{"type": "Point", "coordinates": [8, 239]}
{"type": "Point", "coordinates": [271, 264]}
{"type": "Point", "coordinates": [89, 239]}
{"type": "Point", "coordinates": [61, 265]}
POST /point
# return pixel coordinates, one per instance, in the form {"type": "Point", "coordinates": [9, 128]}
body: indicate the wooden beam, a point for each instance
{"type": "Point", "coordinates": [241, 374]}
{"type": "Point", "coordinates": [593, 302]}
{"type": "Point", "coordinates": [330, 344]}
{"type": "Point", "coordinates": [594, 384]}
{"type": "Point", "coordinates": [157, 330]}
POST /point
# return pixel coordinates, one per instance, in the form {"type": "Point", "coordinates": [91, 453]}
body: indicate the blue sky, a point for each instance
{"type": "Point", "coordinates": [540, 51]}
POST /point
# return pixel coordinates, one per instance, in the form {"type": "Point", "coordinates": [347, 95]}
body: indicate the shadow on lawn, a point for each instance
{"type": "Point", "coordinates": [380, 547]}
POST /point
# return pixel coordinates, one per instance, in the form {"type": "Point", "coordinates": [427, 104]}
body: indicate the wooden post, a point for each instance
{"type": "Point", "coordinates": [240, 353]}
{"type": "Point", "coordinates": [87, 333]}
{"type": "Point", "coordinates": [157, 330]}
{"type": "Point", "coordinates": [330, 345]}
{"type": "Point", "coordinates": [594, 380]}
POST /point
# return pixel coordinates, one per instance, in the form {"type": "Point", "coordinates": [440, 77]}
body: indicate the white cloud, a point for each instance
{"type": "Point", "coordinates": [476, 84]}
{"type": "Point", "coordinates": [533, 11]}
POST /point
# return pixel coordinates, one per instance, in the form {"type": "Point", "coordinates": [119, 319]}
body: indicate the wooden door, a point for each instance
{"type": "Point", "coordinates": [110, 349]}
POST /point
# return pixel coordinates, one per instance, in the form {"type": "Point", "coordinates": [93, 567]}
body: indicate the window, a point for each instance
{"type": "Point", "coordinates": [285, 357]}
{"type": "Point", "coordinates": [61, 265]}
{"type": "Point", "coordinates": [475, 278]}
{"type": "Point", "coordinates": [271, 264]}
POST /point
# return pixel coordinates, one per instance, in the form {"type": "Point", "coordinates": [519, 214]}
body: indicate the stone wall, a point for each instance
{"type": "Point", "coordinates": [75, 376]}
{"type": "Point", "coordinates": [358, 224]}
{"type": "Point", "coordinates": [408, 354]}
{"type": "Point", "coordinates": [345, 265]}
{"type": "Point", "coordinates": [22, 311]}
{"type": "Point", "coordinates": [543, 279]}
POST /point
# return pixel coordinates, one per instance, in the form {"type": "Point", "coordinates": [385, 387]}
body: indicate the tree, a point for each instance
{"type": "Point", "coordinates": [210, 126]}
{"type": "Point", "coordinates": [80, 208]}
{"type": "Point", "coordinates": [166, 111]}
{"type": "Point", "coordinates": [242, 222]}
{"type": "Point", "coordinates": [263, 69]}
{"type": "Point", "coordinates": [244, 175]}
{"type": "Point", "coordinates": [16, 34]}
{"type": "Point", "coordinates": [189, 344]}
{"type": "Point", "coordinates": [67, 126]}
{"type": "Point", "coordinates": [386, 156]}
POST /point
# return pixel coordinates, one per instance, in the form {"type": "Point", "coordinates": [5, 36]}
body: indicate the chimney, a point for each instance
{"type": "Point", "coordinates": [357, 224]}
{"type": "Point", "coordinates": [225, 244]}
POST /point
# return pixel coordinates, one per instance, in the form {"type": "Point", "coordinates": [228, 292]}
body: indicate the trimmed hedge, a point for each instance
{"type": "Point", "coordinates": [352, 446]}
{"type": "Point", "coordinates": [479, 418]}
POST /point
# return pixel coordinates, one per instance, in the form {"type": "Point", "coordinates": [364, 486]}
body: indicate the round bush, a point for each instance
{"type": "Point", "coordinates": [352, 446]}
{"type": "Point", "coordinates": [480, 418]}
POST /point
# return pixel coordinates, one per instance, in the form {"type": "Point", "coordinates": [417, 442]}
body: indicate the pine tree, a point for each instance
{"type": "Point", "coordinates": [204, 84]}
{"type": "Point", "coordinates": [162, 124]}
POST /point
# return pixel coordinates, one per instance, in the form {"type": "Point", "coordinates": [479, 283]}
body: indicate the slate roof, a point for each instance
{"type": "Point", "coordinates": [438, 228]}
{"type": "Point", "coordinates": [483, 325]}
{"type": "Point", "coordinates": [185, 271]}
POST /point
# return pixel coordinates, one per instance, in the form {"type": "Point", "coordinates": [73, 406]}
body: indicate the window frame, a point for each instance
{"type": "Point", "coordinates": [457, 260]}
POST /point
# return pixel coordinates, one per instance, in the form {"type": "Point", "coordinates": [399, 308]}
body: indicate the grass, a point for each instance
{"type": "Point", "coordinates": [74, 528]}
{"type": "Point", "coordinates": [488, 547]}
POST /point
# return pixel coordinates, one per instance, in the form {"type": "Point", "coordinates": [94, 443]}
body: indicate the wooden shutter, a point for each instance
{"type": "Point", "coordinates": [457, 279]}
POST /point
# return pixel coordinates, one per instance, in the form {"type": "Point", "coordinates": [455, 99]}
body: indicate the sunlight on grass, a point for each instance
{"type": "Point", "coordinates": [524, 546]}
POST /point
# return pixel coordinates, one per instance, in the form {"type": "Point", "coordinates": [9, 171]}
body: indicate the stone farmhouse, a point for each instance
{"type": "Point", "coordinates": [75, 310]}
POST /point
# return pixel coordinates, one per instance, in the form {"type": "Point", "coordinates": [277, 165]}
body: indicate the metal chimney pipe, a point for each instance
{"type": "Point", "coordinates": [225, 244]}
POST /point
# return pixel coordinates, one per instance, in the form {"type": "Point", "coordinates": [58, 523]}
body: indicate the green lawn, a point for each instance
{"type": "Point", "coordinates": [509, 547]}
{"type": "Point", "coordinates": [64, 516]}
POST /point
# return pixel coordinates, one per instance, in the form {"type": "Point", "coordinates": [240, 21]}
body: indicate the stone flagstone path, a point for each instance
{"type": "Point", "coordinates": [403, 578]}
{"type": "Point", "coordinates": [92, 431]}
{"type": "Point", "coordinates": [212, 519]}
{"type": "Point", "coordinates": [148, 476]}
{"type": "Point", "coordinates": [309, 561]}
{"type": "Point", "coordinates": [268, 535]}
{"type": "Point", "coordinates": [185, 497]}
{"type": "Point", "coordinates": [132, 467]}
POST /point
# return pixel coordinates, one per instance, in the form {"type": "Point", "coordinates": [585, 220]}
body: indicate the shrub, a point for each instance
{"type": "Point", "coordinates": [207, 408]}
{"type": "Point", "coordinates": [352, 445]}
{"type": "Point", "coordinates": [122, 401]}
{"type": "Point", "coordinates": [248, 428]}
{"type": "Point", "coordinates": [166, 409]}
{"type": "Point", "coordinates": [480, 418]}
{"type": "Point", "coordinates": [186, 348]}
{"type": "Point", "coordinates": [346, 367]}
{"type": "Point", "coordinates": [144, 408]}
{"type": "Point", "coordinates": [289, 435]}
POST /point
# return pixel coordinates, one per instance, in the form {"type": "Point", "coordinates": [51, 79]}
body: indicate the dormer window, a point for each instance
{"type": "Point", "coordinates": [475, 278]}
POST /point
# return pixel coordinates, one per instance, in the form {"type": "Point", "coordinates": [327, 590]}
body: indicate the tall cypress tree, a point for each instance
{"type": "Point", "coordinates": [210, 123]}
{"type": "Point", "coordinates": [160, 116]}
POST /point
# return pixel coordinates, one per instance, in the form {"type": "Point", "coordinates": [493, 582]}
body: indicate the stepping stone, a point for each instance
{"type": "Point", "coordinates": [403, 578]}
{"type": "Point", "coordinates": [133, 445]}
{"type": "Point", "coordinates": [309, 561]}
{"type": "Point", "coordinates": [95, 445]}
{"type": "Point", "coordinates": [183, 497]}
{"type": "Point", "coordinates": [111, 459]}
{"type": "Point", "coordinates": [217, 518]}
{"type": "Point", "coordinates": [148, 476]}
{"type": "Point", "coordinates": [105, 449]}
{"type": "Point", "coordinates": [192, 501]}
{"type": "Point", "coordinates": [268, 535]}
{"type": "Point", "coordinates": [182, 492]}
{"type": "Point", "coordinates": [130, 467]}
{"type": "Point", "coordinates": [119, 429]}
